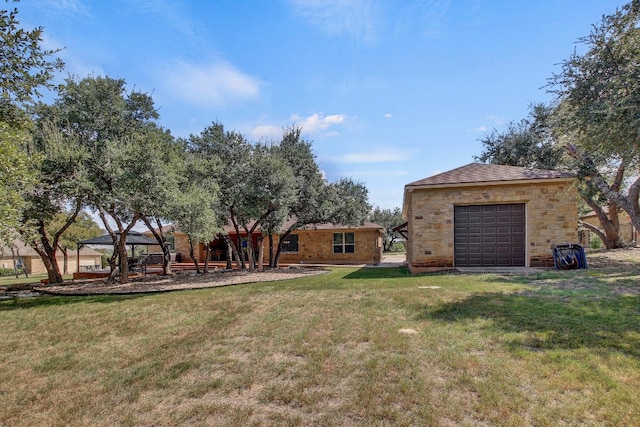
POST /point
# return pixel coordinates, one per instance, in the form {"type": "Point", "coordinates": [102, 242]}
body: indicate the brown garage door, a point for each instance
{"type": "Point", "coordinates": [489, 235]}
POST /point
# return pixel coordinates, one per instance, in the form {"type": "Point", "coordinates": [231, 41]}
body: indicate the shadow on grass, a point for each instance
{"type": "Point", "coordinates": [52, 301]}
{"type": "Point", "coordinates": [379, 273]}
{"type": "Point", "coordinates": [552, 321]}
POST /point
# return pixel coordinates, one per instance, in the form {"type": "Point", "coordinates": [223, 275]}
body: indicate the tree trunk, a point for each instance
{"type": "Point", "coordinates": [229, 252]}
{"type": "Point", "coordinates": [119, 243]}
{"type": "Point", "coordinates": [282, 238]}
{"type": "Point", "coordinates": [123, 260]}
{"type": "Point", "coordinates": [192, 254]}
{"type": "Point", "coordinates": [164, 245]}
{"type": "Point", "coordinates": [237, 250]}
{"type": "Point", "coordinates": [629, 202]}
{"type": "Point", "coordinates": [260, 253]}
{"type": "Point", "coordinates": [250, 252]}
{"type": "Point", "coordinates": [608, 232]}
{"type": "Point", "coordinates": [271, 253]}
{"type": "Point", "coordinates": [65, 261]}
{"type": "Point", "coordinates": [113, 265]}
{"type": "Point", "coordinates": [207, 254]}
{"type": "Point", "coordinates": [47, 252]}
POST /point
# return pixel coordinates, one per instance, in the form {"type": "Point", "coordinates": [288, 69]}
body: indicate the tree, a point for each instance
{"type": "Point", "coordinates": [311, 204]}
{"type": "Point", "coordinates": [598, 109]}
{"type": "Point", "coordinates": [231, 151]}
{"type": "Point", "coordinates": [527, 143]}
{"type": "Point", "coordinates": [389, 219]}
{"type": "Point", "coordinates": [316, 201]}
{"type": "Point", "coordinates": [255, 184]}
{"type": "Point", "coordinates": [25, 66]}
{"type": "Point", "coordinates": [83, 227]}
{"type": "Point", "coordinates": [124, 153]}
{"type": "Point", "coordinates": [58, 193]}
{"type": "Point", "coordinates": [534, 142]}
{"type": "Point", "coordinates": [194, 207]}
{"type": "Point", "coordinates": [24, 69]}
{"type": "Point", "coordinates": [17, 175]}
{"type": "Point", "coordinates": [269, 191]}
{"type": "Point", "coordinates": [350, 202]}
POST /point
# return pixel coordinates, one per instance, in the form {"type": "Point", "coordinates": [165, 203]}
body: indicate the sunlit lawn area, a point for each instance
{"type": "Point", "coordinates": [351, 347]}
{"type": "Point", "coordinates": [13, 281]}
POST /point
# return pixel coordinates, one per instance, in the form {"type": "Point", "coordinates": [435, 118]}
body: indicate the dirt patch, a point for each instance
{"type": "Point", "coordinates": [181, 281]}
{"type": "Point", "coordinates": [616, 271]}
{"type": "Point", "coordinates": [625, 258]}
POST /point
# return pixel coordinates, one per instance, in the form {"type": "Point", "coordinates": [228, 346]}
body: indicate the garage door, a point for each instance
{"type": "Point", "coordinates": [489, 235]}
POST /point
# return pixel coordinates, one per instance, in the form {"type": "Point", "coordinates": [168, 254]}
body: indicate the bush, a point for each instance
{"type": "Point", "coordinates": [595, 242]}
{"type": "Point", "coordinates": [5, 272]}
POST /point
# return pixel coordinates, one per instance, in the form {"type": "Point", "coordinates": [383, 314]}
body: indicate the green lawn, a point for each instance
{"type": "Point", "coordinates": [351, 347]}
{"type": "Point", "coordinates": [12, 281]}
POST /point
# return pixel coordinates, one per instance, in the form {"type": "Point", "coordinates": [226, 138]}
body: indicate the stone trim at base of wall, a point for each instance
{"type": "Point", "coordinates": [542, 262]}
{"type": "Point", "coordinates": [417, 269]}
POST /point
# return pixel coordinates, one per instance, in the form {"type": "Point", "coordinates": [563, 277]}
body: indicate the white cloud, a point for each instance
{"type": "Point", "coordinates": [265, 132]}
{"type": "Point", "coordinates": [481, 129]}
{"type": "Point", "coordinates": [380, 173]}
{"type": "Point", "coordinates": [65, 7]}
{"type": "Point", "coordinates": [388, 116]}
{"type": "Point", "coordinates": [497, 121]}
{"type": "Point", "coordinates": [212, 85]}
{"type": "Point", "coordinates": [360, 19]}
{"type": "Point", "coordinates": [381, 156]}
{"type": "Point", "coordinates": [318, 122]}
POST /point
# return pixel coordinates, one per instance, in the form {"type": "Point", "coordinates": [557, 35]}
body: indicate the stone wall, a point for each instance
{"type": "Point", "coordinates": [628, 233]}
{"type": "Point", "coordinates": [34, 264]}
{"type": "Point", "coordinates": [181, 246]}
{"type": "Point", "coordinates": [316, 247]}
{"type": "Point", "coordinates": [551, 219]}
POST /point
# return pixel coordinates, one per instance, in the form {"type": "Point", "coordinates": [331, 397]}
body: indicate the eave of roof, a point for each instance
{"type": "Point", "coordinates": [475, 174]}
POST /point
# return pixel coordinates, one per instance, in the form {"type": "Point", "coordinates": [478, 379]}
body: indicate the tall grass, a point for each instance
{"type": "Point", "coordinates": [352, 347]}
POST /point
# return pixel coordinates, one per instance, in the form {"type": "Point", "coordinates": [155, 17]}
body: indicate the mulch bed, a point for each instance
{"type": "Point", "coordinates": [179, 281]}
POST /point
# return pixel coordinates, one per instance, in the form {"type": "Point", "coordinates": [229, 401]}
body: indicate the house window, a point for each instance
{"type": "Point", "coordinates": [344, 243]}
{"type": "Point", "coordinates": [290, 244]}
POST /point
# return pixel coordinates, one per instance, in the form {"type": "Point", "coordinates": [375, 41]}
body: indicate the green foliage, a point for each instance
{"type": "Point", "coordinates": [350, 202]}
{"type": "Point", "coordinates": [25, 66]}
{"type": "Point", "coordinates": [6, 272]}
{"type": "Point", "coordinates": [527, 143]}
{"type": "Point", "coordinates": [598, 91]}
{"type": "Point", "coordinates": [595, 242]}
{"type": "Point", "coordinates": [598, 108]}
{"type": "Point", "coordinates": [83, 227]}
{"type": "Point", "coordinates": [389, 219]}
{"type": "Point", "coordinates": [16, 176]}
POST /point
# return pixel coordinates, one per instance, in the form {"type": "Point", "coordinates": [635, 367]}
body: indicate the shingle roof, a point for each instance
{"type": "Point", "coordinates": [475, 173]}
{"type": "Point", "coordinates": [133, 238]}
{"type": "Point", "coordinates": [229, 229]}
{"type": "Point", "coordinates": [25, 250]}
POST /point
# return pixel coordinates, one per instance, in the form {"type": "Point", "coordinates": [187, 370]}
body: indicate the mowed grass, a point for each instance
{"type": "Point", "coordinates": [350, 347]}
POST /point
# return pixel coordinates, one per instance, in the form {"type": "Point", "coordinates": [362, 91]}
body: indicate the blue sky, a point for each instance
{"type": "Point", "coordinates": [388, 92]}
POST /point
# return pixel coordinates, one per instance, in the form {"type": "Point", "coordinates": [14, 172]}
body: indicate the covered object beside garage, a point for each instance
{"type": "Point", "coordinates": [483, 215]}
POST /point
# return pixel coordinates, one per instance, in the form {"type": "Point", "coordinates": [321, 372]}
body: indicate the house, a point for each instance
{"type": "Point", "coordinates": [25, 255]}
{"type": "Point", "coordinates": [319, 244]}
{"type": "Point", "coordinates": [482, 215]}
{"type": "Point", "coordinates": [628, 233]}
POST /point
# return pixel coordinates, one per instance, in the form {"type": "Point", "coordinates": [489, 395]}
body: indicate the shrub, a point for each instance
{"type": "Point", "coordinates": [4, 272]}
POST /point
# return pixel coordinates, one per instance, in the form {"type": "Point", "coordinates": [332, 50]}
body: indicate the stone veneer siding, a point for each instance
{"type": "Point", "coordinates": [551, 219]}
{"type": "Point", "coordinates": [34, 264]}
{"type": "Point", "coordinates": [316, 247]}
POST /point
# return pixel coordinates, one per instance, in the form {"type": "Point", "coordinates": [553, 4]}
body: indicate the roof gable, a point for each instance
{"type": "Point", "coordinates": [477, 173]}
